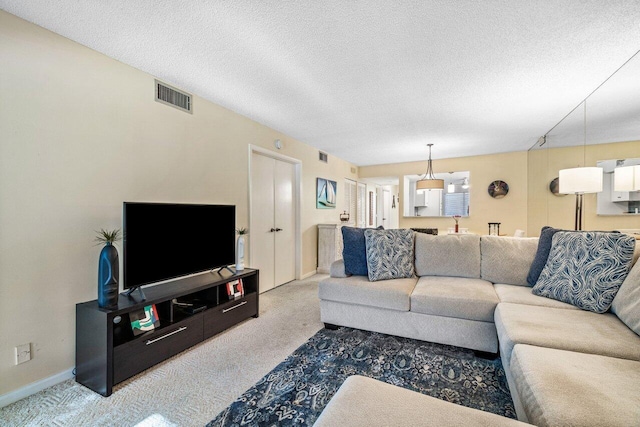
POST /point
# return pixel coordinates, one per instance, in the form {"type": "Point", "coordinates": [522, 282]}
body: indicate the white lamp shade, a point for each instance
{"type": "Point", "coordinates": [580, 180]}
{"type": "Point", "coordinates": [626, 178]}
{"type": "Point", "coordinates": [451, 188]}
{"type": "Point", "coordinates": [430, 184]}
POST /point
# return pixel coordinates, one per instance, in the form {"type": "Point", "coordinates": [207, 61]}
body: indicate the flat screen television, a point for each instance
{"type": "Point", "coordinates": [164, 241]}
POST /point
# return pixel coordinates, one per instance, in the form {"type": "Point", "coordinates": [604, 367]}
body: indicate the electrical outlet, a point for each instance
{"type": "Point", "coordinates": [23, 353]}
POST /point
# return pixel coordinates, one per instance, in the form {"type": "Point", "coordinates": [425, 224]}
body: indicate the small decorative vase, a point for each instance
{"type": "Point", "coordinates": [456, 227]}
{"type": "Point", "coordinates": [240, 253]}
{"type": "Point", "coordinates": [108, 275]}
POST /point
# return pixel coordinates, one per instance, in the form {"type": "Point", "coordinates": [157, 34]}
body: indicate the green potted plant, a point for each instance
{"type": "Point", "coordinates": [108, 268]}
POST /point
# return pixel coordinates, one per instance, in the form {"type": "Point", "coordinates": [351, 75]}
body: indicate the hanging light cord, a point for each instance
{"type": "Point", "coordinates": [429, 173]}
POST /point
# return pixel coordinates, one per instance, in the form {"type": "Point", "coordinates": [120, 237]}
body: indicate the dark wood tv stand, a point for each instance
{"type": "Point", "coordinates": [108, 353]}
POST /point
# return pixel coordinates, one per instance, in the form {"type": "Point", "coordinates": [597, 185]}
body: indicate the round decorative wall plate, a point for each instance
{"type": "Point", "coordinates": [498, 189]}
{"type": "Point", "coordinates": [554, 187]}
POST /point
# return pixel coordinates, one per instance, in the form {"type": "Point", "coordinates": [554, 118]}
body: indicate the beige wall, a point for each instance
{"type": "Point", "coordinates": [510, 211]}
{"type": "Point", "coordinates": [79, 134]}
{"type": "Point", "coordinates": [547, 209]}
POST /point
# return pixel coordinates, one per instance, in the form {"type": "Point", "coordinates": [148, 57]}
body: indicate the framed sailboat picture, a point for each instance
{"type": "Point", "coordinates": [326, 193]}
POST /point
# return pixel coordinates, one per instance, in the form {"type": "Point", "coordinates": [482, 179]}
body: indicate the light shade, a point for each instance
{"type": "Point", "coordinates": [626, 178]}
{"type": "Point", "coordinates": [580, 180]}
{"type": "Point", "coordinates": [451, 188]}
{"type": "Point", "coordinates": [430, 184]}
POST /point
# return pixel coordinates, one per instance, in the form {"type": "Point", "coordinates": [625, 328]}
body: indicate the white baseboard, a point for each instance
{"type": "Point", "coordinates": [34, 387]}
{"type": "Point", "coordinates": [307, 275]}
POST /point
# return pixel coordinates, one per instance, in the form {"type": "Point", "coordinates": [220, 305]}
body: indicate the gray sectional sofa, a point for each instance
{"type": "Point", "coordinates": [564, 365]}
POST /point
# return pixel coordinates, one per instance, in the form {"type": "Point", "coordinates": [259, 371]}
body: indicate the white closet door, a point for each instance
{"type": "Point", "coordinates": [285, 223]}
{"type": "Point", "coordinates": [362, 203]}
{"type": "Point", "coordinates": [350, 201]}
{"type": "Point", "coordinates": [263, 218]}
{"type": "Point", "coordinates": [272, 230]}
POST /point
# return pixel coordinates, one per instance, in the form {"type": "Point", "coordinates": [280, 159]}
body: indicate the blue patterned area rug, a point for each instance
{"type": "Point", "coordinates": [298, 389]}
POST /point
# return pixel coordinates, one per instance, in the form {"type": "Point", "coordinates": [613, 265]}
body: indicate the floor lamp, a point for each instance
{"type": "Point", "coordinates": [580, 181]}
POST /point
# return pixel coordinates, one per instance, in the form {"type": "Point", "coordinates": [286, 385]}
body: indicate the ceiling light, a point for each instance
{"type": "Point", "coordinates": [465, 183]}
{"type": "Point", "coordinates": [428, 180]}
{"type": "Point", "coordinates": [451, 188]}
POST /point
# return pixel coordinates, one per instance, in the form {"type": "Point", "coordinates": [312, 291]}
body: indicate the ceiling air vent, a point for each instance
{"type": "Point", "coordinates": [323, 157]}
{"type": "Point", "coordinates": [171, 96]}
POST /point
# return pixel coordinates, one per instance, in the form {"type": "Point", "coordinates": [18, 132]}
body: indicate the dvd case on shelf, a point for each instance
{"type": "Point", "coordinates": [144, 320]}
{"type": "Point", "coordinates": [235, 289]}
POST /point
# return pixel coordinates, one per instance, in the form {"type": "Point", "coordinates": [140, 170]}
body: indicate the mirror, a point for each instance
{"type": "Point", "coordinates": [453, 200]}
{"type": "Point", "coordinates": [602, 130]}
{"type": "Point", "coordinates": [611, 202]}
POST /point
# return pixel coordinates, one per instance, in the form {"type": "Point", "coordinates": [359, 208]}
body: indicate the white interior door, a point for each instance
{"type": "Point", "coordinates": [284, 222]}
{"type": "Point", "coordinates": [273, 220]}
{"type": "Point", "coordinates": [262, 221]}
{"type": "Point", "coordinates": [386, 209]}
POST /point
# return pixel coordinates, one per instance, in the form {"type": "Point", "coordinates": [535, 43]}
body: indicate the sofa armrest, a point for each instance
{"type": "Point", "coordinates": [337, 269]}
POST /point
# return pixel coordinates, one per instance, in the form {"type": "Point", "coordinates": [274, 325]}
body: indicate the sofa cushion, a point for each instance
{"type": "Point", "coordinates": [448, 255]}
{"type": "Point", "coordinates": [626, 304]}
{"type": "Point", "coordinates": [365, 402]}
{"type": "Point", "coordinates": [507, 259]}
{"type": "Point", "coordinates": [542, 253]}
{"type": "Point", "coordinates": [562, 388]}
{"type": "Point", "coordinates": [391, 294]}
{"type": "Point", "coordinates": [586, 269]}
{"type": "Point", "coordinates": [524, 295]}
{"type": "Point", "coordinates": [354, 251]}
{"type": "Point", "coordinates": [573, 330]}
{"type": "Point", "coordinates": [389, 254]}
{"type": "Point", "coordinates": [337, 269]}
{"type": "Point", "coordinates": [460, 297]}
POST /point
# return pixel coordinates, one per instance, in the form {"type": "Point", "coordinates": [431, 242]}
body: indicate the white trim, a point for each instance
{"type": "Point", "coordinates": [35, 387]}
{"type": "Point", "coordinates": [298, 203]}
{"type": "Point", "coordinates": [309, 274]}
{"type": "Point", "coordinates": [272, 154]}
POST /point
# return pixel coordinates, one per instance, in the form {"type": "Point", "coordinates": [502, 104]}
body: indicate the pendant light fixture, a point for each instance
{"type": "Point", "coordinates": [428, 180]}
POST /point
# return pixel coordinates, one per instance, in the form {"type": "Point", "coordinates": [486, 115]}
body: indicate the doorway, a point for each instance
{"type": "Point", "coordinates": [384, 207]}
{"type": "Point", "coordinates": [274, 220]}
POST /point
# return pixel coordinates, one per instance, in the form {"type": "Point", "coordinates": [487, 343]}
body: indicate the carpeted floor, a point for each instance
{"type": "Point", "coordinates": [202, 383]}
{"type": "Point", "coordinates": [297, 390]}
{"type": "Point", "coordinates": [191, 388]}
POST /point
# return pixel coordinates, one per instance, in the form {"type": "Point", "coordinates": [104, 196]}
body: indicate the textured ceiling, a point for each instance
{"type": "Point", "coordinates": [369, 81]}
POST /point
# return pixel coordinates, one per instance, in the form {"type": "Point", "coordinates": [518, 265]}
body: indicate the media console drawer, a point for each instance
{"type": "Point", "coordinates": [145, 351]}
{"type": "Point", "coordinates": [224, 316]}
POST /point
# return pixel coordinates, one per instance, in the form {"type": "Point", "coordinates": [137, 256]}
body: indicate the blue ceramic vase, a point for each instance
{"type": "Point", "coordinates": [108, 276]}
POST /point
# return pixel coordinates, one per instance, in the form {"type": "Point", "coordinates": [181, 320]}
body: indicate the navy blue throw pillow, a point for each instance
{"type": "Point", "coordinates": [544, 247]}
{"type": "Point", "coordinates": [354, 251]}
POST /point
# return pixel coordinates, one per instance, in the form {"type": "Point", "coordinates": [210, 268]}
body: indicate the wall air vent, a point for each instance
{"type": "Point", "coordinates": [171, 96]}
{"type": "Point", "coordinates": [323, 157]}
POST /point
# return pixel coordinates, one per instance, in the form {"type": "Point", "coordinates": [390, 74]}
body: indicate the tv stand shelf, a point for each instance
{"type": "Point", "coordinates": [108, 353]}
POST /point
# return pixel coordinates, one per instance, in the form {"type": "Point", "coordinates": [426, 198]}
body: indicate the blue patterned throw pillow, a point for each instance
{"type": "Point", "coordinates": [586, 269]}
{"type": "Point", "coordinates": [389, 254]}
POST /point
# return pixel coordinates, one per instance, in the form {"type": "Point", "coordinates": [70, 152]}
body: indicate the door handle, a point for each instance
{"type": "Point", "coordinates": [272, 230]}
{"type": "Point", "coordinates": [278, 229]}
